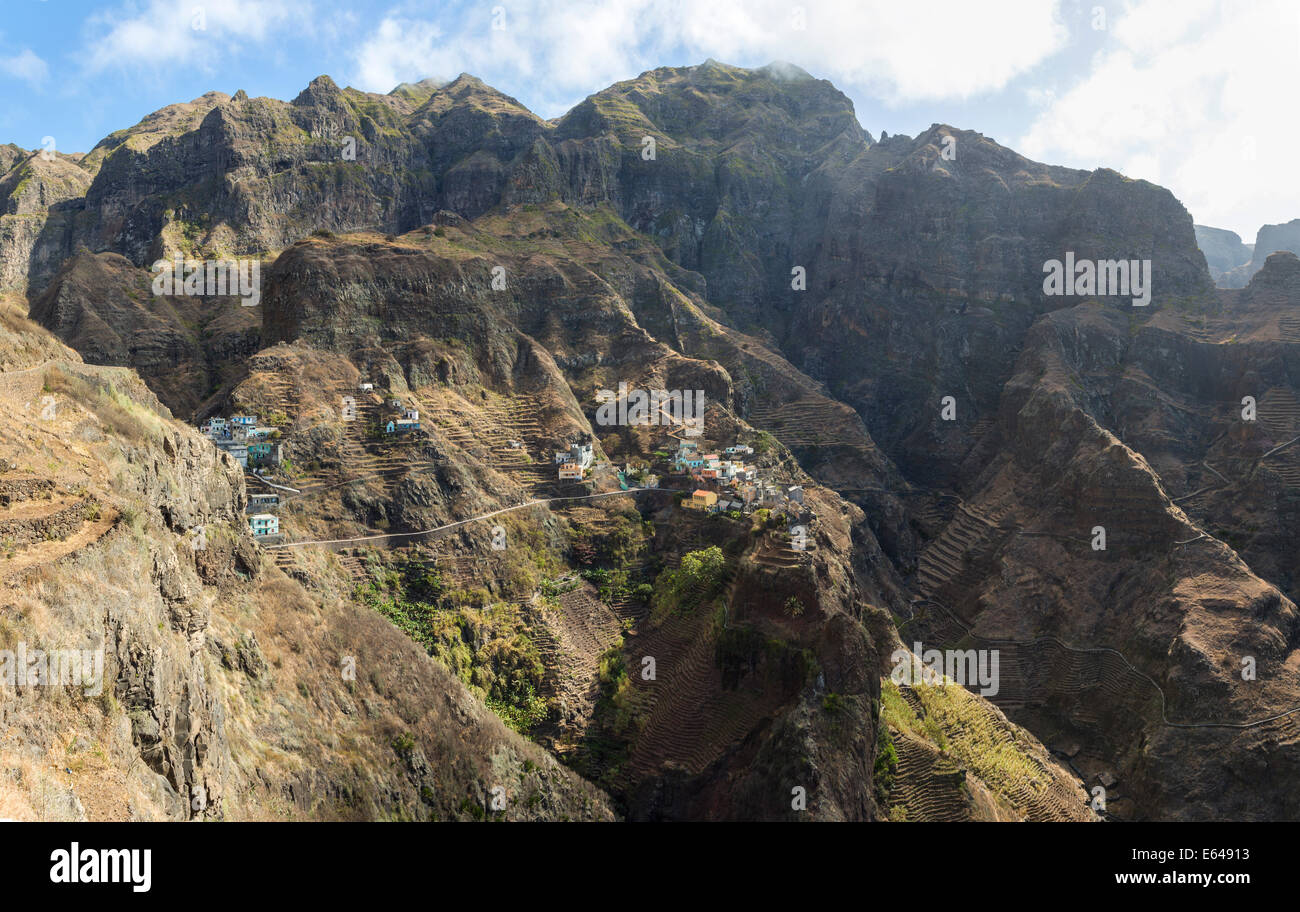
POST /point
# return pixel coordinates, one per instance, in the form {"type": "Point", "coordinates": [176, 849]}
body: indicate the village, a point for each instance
{"type": "Point", "coordinates": [707, 482]}
{"type": "Point", "coordinates": [723, 483]}
{"type": "Point", "coordinates": [719, 482]}
{"type": "Point", "coordinates": [256, 446]}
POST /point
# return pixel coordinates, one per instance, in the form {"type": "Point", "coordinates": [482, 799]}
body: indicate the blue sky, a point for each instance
{"type": "Point", "coordinates": [1197, 95]}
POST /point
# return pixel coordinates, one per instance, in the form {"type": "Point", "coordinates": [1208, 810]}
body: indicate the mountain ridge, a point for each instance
{"type": "Point", "coordinates": [834, 297]}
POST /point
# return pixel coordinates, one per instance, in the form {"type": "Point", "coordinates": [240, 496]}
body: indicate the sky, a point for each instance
{"type": "Point", "coordinates": [1196, 95]}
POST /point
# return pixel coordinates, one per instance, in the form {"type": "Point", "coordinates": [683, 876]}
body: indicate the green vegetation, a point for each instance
{"type": "Point", "coordinates": [616, 687]}
{"type": "Point", "coordinates": [484, 644]}
{"type": "Point", "coordinates": [954, 720]}
{"type": "Point", "coordinates": [886, 765]}
{"type": "Point", "coordinates": [696, 582]}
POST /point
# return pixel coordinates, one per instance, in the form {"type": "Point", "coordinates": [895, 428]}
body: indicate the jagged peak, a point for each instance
{"type": "Point", "coordinates": [319, 89]}
{"type": "Point", "coordinates": [469, 89]}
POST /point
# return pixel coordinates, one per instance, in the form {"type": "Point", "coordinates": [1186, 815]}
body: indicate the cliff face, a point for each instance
{"type": "Point", "coordinates": [736, 232]}
{"type": "Point", "coordinates": [1269, 240]}
{"type": "Point", "coordinates": [38, 194]}
{"type": "Point", "coordinates": [1223, 249]}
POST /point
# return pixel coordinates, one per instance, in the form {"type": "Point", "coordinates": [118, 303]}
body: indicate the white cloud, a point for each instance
{"type": "Point", "coordinates": [1182, 94]}
{"type": "Point", "coordinates": [195, 33]}
{"type": "Point", "coordinates": [26, 66]}
{"type": "Point", "coordinates": [947, 49]}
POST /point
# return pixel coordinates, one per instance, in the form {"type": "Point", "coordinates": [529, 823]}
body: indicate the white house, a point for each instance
{"type": "Point", "coordinates": [581, 454]}
{"type": "Point", "coordinates": [264, 524]}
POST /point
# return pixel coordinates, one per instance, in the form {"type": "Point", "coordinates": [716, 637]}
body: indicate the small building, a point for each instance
{"type": "Point", "coordinates": [584, 453]}
{"type": "Point", "coordinates": [405, 425]}
{"type": "Point", "coordinates": [701, 499]}
{"type": "Point", "coordinates": [412, 414]}
{"type": "Point", "coordinates": [390, 428]}
{"type": "Point", "coordinates": [260, 503]}
{"type": "Point", "coordinates": [264, 453]}
{"type": "Point", "coordinates": [263, 524]}
{"type": "Point", "coordinates": [570, 471]}
{"type": "Point", "coordinates": [244, 420]}
{"type": "Point", "coordinates": [740, 449]}
{"type": "Point", "coordinates": [580, 454]}
{"type": "Point", "coordinates": [795, 494]}
{"type": "Point", "coordinates": [365, 386]}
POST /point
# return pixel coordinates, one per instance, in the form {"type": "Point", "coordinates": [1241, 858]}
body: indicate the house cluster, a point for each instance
{"type": "Point", "coordinates": [724, 481]}
{"type": "Point", "coordinates": [262, 523]}
{"type": "Point", "coordinates": [247, 441]}
{"type": "Point", "coordinates": [405, 418]}
{"type": "Point", "coordinates": [575, 461]}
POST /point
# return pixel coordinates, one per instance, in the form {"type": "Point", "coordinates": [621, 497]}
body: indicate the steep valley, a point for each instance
{"type": "Point", "coordinates": [446, 629]}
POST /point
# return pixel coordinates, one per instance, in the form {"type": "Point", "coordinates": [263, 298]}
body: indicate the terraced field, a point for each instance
{"type": "Point", "coordinates": [976, 738]}
{"type": "Point", "coordinates": [947, 563]}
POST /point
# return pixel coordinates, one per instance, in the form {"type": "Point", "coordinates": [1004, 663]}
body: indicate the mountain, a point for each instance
{"type": "Point", "coordinates": [870, 317]}
{"type": "Point", "coordinates": [1247, 259]}
{"type": "Point", "coordinates": [1223, 249]}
